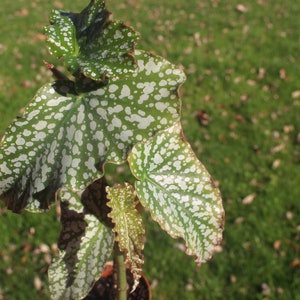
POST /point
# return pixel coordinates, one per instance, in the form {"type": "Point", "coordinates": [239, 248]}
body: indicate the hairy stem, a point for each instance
{"type": "Point", "coordinates": [119, 274]}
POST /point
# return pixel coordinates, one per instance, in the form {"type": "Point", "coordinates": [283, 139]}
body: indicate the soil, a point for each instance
{"type": "Point", "coordinates": [104, 289]}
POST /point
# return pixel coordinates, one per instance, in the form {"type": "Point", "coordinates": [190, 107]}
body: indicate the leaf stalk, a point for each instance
{"type": "Point", "coordinates": [119, 274]}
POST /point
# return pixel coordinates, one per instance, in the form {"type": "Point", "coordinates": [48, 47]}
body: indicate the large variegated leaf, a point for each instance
{"type": "Point", "coordinates": [64, 137]}
{"type": "Point", "coordinates": [92, 44]}
{"type": "Point", "coordinates": [129, 228]}
{"type": "Point", "coordinates": [85, 244]}
{"type": "Point", "coordinates": [179, 192]}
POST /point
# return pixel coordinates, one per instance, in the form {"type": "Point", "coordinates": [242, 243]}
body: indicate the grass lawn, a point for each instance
{"type": "Point", "coordinates": [241, 114]}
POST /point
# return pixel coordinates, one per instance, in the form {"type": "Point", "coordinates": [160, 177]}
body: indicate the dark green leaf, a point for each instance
{"type": "Point", "coordinates": [64, 28]}
{"type": "Point", "coordinates": [92, 44]}
{"type": "Point", "coordinates": [64, 137]}
{"type": "Point", "coordinates": [179, 191]}
{"type": "Point", "coordinates": [85, 244]}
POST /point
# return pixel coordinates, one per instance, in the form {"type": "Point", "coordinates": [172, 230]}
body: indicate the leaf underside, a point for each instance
{"type": "Point", "coordinates": [178, 191]}
{"type": "Point", "coordinates": [85, 244]}
{"type": "Point", "coordinates": [64, 138]}
{"type": "Point", "coordinates": [129, 228]}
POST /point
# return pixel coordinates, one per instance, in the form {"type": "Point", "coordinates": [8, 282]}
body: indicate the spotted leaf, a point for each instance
{"type": "Point", "coordinates": [85, 245]}
{"type": "Point", "coordinates": [178, 191]}
{"type": "Point", "coordinates": [65, 136]}
{"type": "Point", "coordinates": [129, 228]}
{"type": "Point", "coordinates": [90, 43]}
{"type": "Point", "coordinates": [65, 29]}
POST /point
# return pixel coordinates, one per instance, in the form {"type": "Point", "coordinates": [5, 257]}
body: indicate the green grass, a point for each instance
{"type": "Point", "coordinates": [242, 70]}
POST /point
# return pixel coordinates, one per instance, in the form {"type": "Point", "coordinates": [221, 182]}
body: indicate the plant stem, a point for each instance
{"type": "Point", "coordinates": [120, 274]}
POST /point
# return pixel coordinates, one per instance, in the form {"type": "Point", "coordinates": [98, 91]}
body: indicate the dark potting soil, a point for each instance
{"type": "Point", "coordinates": [103, 289]}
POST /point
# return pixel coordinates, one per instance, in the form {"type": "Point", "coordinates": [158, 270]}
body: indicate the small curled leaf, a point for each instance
{"type": "Point", "coordinates": [129, 228]}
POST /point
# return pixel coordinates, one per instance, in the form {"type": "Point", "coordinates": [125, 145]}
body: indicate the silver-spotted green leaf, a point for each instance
{"type": "Point", "coordinates": [178, 191]}
{"type": "Point", "coordinates": [92, 44]}
{"type": "Point", "coordinates": [64, 137]}
{"type": "Point", "coordinates": [129, 228]}
{"type": "Point", "coordinates": [85, 245]}
{"type": "Point", "coordinates": [64, 28]}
